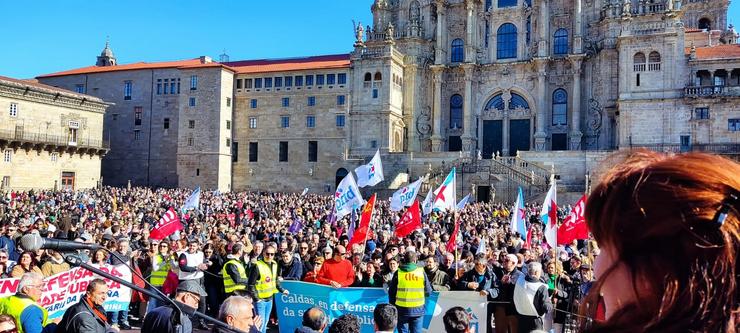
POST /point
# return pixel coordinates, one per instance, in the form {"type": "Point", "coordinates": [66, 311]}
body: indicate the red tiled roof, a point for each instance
{"type": "Point", "coordinates": [35, 84]}
{"type": "Point", "coordinates": [191, 63]}
{"type": "Point", "coordinates": [724, 51]}
{"type": "Point", "coordinates": [291, 64]}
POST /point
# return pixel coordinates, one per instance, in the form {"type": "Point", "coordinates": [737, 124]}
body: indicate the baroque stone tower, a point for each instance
{"type": "Point", "coordinates": [106, 57]}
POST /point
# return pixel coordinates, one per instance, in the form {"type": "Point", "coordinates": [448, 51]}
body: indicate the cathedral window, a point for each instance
{"type": "Point", "coordinates": [639, 62]}
{"type": "Point", "coordinates": [506, 41]}
{"type": "Point", "coordinates": [457, 50]}
{"type": "Point", "coordinates": [654, 61]}
{"type": "Point", "coordinates": [496, 102]}
{"type": "Point", "coordinates": [560, 107]}
{"type": "Point", "coordinates": [414, 11]}
{"type": "Point", "coordinates": [705, 23]}
{"type": "Point", "coordinates": [368, 77]}
{"type": "Point", "coordinates": [456, 111]}
{"type": "Point", "coordinates": [507, 3]}
{"type": "Point", "coordinates": [517, 101]}
{"type": "Point", "coordinates": [378, 76]}
{"type": "Point", "coordinates": [560, 42]}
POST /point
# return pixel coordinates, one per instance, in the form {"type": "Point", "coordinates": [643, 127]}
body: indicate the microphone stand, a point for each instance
{"type": "Point", "coordinates": [180, 307]}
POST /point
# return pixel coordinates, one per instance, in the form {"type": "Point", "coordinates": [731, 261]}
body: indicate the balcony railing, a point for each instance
{"type": "Point", "coordinates": [26, 137]}
{"type": "Point", "coordinates": [704, 91]}
{"type": "Point", "coordinates": [714, 148]}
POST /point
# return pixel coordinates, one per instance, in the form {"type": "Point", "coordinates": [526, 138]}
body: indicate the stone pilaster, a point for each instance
{"type": "Point", "coordinates": [437, 109]}
{"type": "Point", "coordinates": [470, 27]}
{"type": "Point", "coordinates": [575, 124]}
{"type": "Point", "coordinates": [540, 136]}
{"type": "Point", "coordinates": [543, 48]}
{"type": "Point", "coordinates": [578, 24]}
{"type": "Point", "coordinates": [468, 137]}
{"type": "Point", "coordinates": [439, 54]}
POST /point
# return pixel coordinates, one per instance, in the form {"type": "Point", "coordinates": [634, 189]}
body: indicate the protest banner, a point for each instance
{"type": "Point", "coordinates": [65, 289]}
{"type": "Point", "coordinates": [362, 301]}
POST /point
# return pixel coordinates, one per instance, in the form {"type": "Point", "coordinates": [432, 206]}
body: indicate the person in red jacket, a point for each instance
{"type": "Point", "coordinates": [337, 271]}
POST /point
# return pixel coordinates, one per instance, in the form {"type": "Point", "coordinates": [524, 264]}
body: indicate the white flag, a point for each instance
{"type": "Point", "coordinates": [406, 195]}
{"type": "Point", "coordinates": [346, 197]}
{"type": "Point", "coordinates": [305, 190]}
{"type": "Point", "coordinates": [370, 174]}
{"type": "Point", "coordinates": [192, 202]}
{"type": "Point", "coordinates": [549, 216]}
{"type": "Point", "coordinates": [428, 201]}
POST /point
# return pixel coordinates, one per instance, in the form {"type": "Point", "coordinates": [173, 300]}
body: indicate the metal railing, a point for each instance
{"type": "Point", "coordinates": [714, 148]}
{"type": "Point", "coordinates": [704, 91]}
{"type": "Point", "coordinates": [23, 136]}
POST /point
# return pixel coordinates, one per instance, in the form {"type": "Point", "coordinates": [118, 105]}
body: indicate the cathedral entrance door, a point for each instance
{"type": "Point", "coordinates": [519, 137]}
{"type": "Point", "coordinates": [492, 137]}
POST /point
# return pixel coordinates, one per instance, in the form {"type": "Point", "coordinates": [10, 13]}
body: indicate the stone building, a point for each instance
{"type": "Point", "coordinates": [50, 137]}
{"type": "Point", "coordinates": [170, 122]}
{"type": "Point", "coordinates": [509, 91]}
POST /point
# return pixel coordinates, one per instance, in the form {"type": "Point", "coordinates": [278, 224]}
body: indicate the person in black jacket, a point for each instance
{"type": "Point", "coordinates": [87, 316]}
{"type": "Point", "coordinates": [482, 280]}
{"type": "Point", "coordinates": [214, 282]}
{"type": "Point", "coordinates": [531, 299]}
{"type": "Point", "coordinates": [290, 266]}
{"type": "Point", "coordinates": [505, 313]}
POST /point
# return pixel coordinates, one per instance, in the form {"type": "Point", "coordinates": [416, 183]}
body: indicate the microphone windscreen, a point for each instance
{"type": "Point", "coordinates": [31, 242]}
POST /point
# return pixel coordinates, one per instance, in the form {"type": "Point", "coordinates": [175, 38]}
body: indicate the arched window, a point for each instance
{"type": "Point", "coordinates": [506, 3]}
{"type": "Point", "coordinates": [518, 101]}
{"type": "Point", "coordinates": [639, 62]}
{"type": "Point", "coordinates": [457, 50]}
{"type": "Point", "coordinates": [654, 61]}
{"type": "Point", "coordinates": [368, 77]}
{"type": "Point", "coordinates": [705, 23]}
{"type": "Point", "coordinates": [414, 11]}
{"type": "Point", "coordinates": [560, 107]}
{"type": "Point", "coordinates": [496, 102]}
{"type": "Point", "coordinates": [560, 41]}
{"type": "Point", "coordinates": [378, 77]}
{"type": "Point", "coordinates": [506, 41]}
{"type": "Point", "coordinates": [456, 111]}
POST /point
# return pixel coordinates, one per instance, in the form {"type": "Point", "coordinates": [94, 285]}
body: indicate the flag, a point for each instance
{"type": "Point", "coordinates": [167, 225]}
{"type": "Point", "coordinates": [574, 226]}
{"type": "Point", "coordinates": [427, 205]}
{"type": "Point", "coordinates": [352, 224]}
{"type": "Point", "coordinates": [549, 216]}
{"type": "Point", "coordinates": [362, 232]}
{"type": "Point", "coordinates": [250, 214]}
{"type": "Point", "coordinates": [232, 219]}
{"type": "Point", "coordinates": [346, 197]}
{"type": "Point", "coordinates": [296, 226]}
{"type": "Point", "coordinates": [453, 238]}
{"type": "Point", "coordinates": [482, 247]}
{"type": "Point", "coordinates": [517, 216]}
{"type": "Point", "coordinates": [406, 195]}
{"type": "Point", "coordinates": [305, 190]}
{"type": "Point", "coordinates": [410, 221]}
{"type": "Point", "coordinates": [462, 203]}
{"type": "Point", "coordinates": [192, 202]}
{"type": "Point", "coordinates": [370, 174]}
{"type": "Point", "coordinates": [444, 196]}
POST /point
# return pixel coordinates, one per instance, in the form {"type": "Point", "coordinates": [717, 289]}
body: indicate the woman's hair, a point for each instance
{"type": "Point", "coordinates": [657, 213]}
{"type": "Point", "coordinates": [7, 319]}
{"type": "Point", "coordinates": [34, 262]}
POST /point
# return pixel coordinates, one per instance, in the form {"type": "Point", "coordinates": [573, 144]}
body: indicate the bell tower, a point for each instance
{"type": "Point", "coordinates": [106, 57]}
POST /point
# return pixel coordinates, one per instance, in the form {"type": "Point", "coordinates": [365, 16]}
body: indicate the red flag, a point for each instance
{"type": "Point", "coordinates": [167, 225]}
{"type": "Point", "coordinates": [410, 221]}
{"type": "Point", "coordinates": [451, 244]}
{"type": "Point", "coordinates": [574, 226]}
{"type": "Point", "coordinates": [232, 219]}
{"type": "Point", "coordinates": [361, 233]}
{"type": "Point", "coordinates": [250, 215]}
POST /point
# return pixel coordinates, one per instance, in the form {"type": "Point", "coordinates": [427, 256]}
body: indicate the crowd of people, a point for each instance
{"type": "Point", "coordinates": [238, 247]}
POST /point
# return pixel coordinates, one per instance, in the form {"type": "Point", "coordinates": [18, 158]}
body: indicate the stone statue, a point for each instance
{"type": "Point", "coordinates": [389, 31]}
{"type": "Point", "coordinates": [626, 7]}
{"type": "Point", "coordinates": [480, 155]}
{"type": "Point", "coordinates": [359, 34]}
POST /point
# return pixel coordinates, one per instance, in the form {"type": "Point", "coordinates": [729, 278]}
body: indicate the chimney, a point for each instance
{"type": "Point", "coordinates": [205, 60]}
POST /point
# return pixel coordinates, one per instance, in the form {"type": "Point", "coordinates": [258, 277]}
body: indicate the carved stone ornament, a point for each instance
{"type": "Point", "coordinates": [423, 125]}
{"type": "Point", "coordinates": [595, 116]}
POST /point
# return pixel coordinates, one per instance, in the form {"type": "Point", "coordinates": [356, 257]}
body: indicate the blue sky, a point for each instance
{"type": "Point", "coordinates": [45, 36]}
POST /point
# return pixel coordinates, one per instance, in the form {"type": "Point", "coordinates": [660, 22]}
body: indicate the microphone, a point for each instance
{"type": "Point", "coordinates": [34, 242]}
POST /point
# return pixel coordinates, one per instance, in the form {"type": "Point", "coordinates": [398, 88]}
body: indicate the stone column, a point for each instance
{"type": "Point", "coordinates": [470, 52]}
{"type": "Point", "coordinates": [575, 124]}
{"type": "Point", "coordinates": [437, 109]}
{"type": "Point", "coordinates": [578, 34]}
{"type": "Point", "coordinates": [505, 130]}
{"type": "Point", "coordinates": [439, 55]}
{"type": "Point", "coordinates": [540, 136]}
{"type": "Point", "coordinates": [468, 137]}
{"type": "Point", "coordinates": [543, 49]}
{"type": "Point", "coordinates": [410, 106]}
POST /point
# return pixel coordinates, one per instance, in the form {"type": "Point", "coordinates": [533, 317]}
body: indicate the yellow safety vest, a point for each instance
{"type": "Point", "coordinates": [157, 278]}
{"type": "Point", "coordinates": [229, 285]}
{"type": "Point", "coordinates": [410, 292]}
{"type": "Point", "coordinates": [14, 306]}
{"type": "Point", "coordinates": [266, 286]}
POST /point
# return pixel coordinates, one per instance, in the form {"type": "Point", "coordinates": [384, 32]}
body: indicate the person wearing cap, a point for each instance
{"type": "Point", "coordinates": [160, 320]}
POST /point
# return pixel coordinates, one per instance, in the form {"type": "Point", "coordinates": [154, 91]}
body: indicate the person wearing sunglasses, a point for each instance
{"type": "Point", "coordinates": [337, 271]}
{"type": "Point", "coordinates": [29, 316]}
{"type": "Point", "coordinates": [263, 284]}
{"type": "Point", "coordinates": [7, 324]}
{"type": "Point", "coordinates": [161, 265]}
{"type": "Point", "coordinates": [159, 320]}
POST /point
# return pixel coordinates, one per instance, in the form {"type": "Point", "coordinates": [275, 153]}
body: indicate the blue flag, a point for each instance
{"type": "Point", "coordinates": [296, 226]}
{"type": "Point", "coordinates": [193, 201]}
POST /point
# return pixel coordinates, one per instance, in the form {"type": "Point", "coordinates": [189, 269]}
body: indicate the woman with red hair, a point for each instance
{"type": "Point", "coordinates": [669, 231]}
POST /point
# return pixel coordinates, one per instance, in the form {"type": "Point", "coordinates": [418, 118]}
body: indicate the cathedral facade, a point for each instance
{"type": "Point", "coordinates": [510, 91]}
